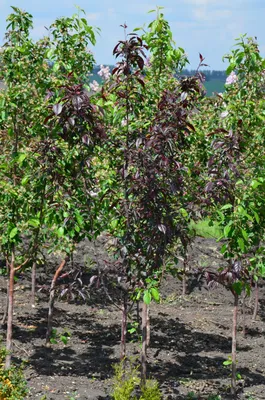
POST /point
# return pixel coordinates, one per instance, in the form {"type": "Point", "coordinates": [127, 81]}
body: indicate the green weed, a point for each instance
{"type": "Point", "coordinates": [203, 229]}
{"type": "Point", "coordinates": [126, 384]}
{"type": "Point", "coordinates": [13, 385]}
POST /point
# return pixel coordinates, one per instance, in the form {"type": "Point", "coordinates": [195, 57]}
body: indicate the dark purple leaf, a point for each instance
{"type": "Point", "coordinates": [162, 228]}
{"type": "Point", "coordinates": [71, 121]}
{"type": "Point", "coordinates": [92, 279]}
{"type": "Point", "coordinates": [86, 140]}
{"type": "Point", "coordinates": [57, 109]}
{"type": "Point", "coordinates": [139, 141]}
{"type": "Point", "coordinates": [183, 96]}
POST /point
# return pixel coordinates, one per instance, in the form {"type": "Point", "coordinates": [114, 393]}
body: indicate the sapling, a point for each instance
{"type": "Point", "coordinates": [235, 188]}
{"type": "Point", "coordinates": [151, 117]}
{"type": "Point", "coordinates": [52, 298]}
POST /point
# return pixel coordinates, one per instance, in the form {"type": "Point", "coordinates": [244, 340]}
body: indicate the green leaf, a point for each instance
{"type": "Point", "coordinates": [147, 297]}
{"type": "Point", "coordinates": [184, 212]}
{"type": "Point", "coordinates": [244, 234]}
{"type": "Point", "coordinates": [230, 68]}
{"type": "Point", "coordinates": [227, 362]}
{"type": "Point", "coordinates": [64, 339]}
{"type": "Point", "coordinates": [79, 219]}
{"type": "Point", "coordinates": [25, 180]}
{"type": "Point", "coordinates": [226, 207]}
{"type": "Point", "coordinates": [60, 232]}
{"type": "Point", "coordinates": [254, 184]}
{"type": "Point", "coordinates": [13, 233]}
{"type": "Point", "coordinates": [223, 249]}
{"type": "Point", "coordinates": [155, 294]}
{"type": "Point", "coordinates": [56, 67]}
{"type": "Point", "coordinates": [241, 210]}
{"type": "Point", "coordinates": [257, 218]}
{"type": "Point", "coordinates": [50, 54]}
{"type": "Point", "coordinates": [237, 287]}
{"type": "Point", "coordinates": [35, 222]}
{"type": "Point", "coordinates": [227, 229]}
{"type": "Point", "coordinates": [21, 157]}
{"type": "Point", "coordinates": [77, 228]}
{"type": "Point", "coordinates": [241, 244]}
{"type": "Point", "coordinates": [250, 218]}
{"type": "Point", "coordinates": [3, 115]}
{"type": "Point", "coordinates": [114, 223]}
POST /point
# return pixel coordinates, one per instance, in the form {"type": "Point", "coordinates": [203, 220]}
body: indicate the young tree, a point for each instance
{"type": "Point", "coordinates": [41, 164]}
{"type": "Point", "coordinates": [236, 174]}
{"type": "Point", "coordinates": [148, 113]}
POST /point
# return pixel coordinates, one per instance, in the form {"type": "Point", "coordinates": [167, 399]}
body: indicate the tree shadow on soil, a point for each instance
{"type": "Point", "coordinates": [176, 353]}
{"type": "Point", "coordinates": [90, 351]}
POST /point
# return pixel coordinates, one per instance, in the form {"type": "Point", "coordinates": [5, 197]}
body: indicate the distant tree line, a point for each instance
{"type": "Point", "coordinates": [209, 74]}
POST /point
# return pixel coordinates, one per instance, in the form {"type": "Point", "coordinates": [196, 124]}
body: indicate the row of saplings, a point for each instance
{"type": "Point", "coordinates": [132, 160]}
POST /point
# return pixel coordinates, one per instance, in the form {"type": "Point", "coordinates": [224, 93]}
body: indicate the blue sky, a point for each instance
{"type": "Point", "coordinates": [206, 26]}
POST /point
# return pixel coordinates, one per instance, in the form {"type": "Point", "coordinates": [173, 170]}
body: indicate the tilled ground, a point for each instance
{"type": "Point", "coordinates": [190, 340]}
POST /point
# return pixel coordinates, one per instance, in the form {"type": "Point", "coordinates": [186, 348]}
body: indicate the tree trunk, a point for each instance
{"type": "Point", "coordinates": [234, 334]}
{"type": "Point", "coordinates": [124, 326]}
{"type": "Point", "coordinates": [144, 345]}
{"type": "Point", "coordinates": [4, 319]}
{"type": "Point", "coordinates": [244, 313]}
{"type": "Point", "coordinates": [138, 312]}
{"type": "Point", "coordinates": [184, 278]}
{"type": "Point", "coordinates": [9, 331]}
{"type": "Point", "coordinates": [148, 327]}
{"type": "Point", "coordinates": [256, 306]}
{"type": "Point", "coordinates": [51, 300]}
{"type": "Point", "coordinates": [33, 283]}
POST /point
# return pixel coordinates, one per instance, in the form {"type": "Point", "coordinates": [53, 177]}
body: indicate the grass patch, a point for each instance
{"type": "Point", "coordinates": [203, 229]}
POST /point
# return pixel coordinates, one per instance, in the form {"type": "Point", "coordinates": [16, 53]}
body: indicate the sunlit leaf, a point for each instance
{"type": "Point", "coordinates": [13, 233]}
{"type": "Point", "coordinates": [147, 297]}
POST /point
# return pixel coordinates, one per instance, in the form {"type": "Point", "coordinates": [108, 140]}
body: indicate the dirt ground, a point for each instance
{"type": "Point", "coordinates": [190, 340]}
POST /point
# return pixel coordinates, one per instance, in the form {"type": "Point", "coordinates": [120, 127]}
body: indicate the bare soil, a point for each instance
{"type": "Point", "coordinates": [190, 339]}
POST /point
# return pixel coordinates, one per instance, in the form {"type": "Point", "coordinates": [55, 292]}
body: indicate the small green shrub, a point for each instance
{"type": "Point", "coordinates": [126, 384]}
{"type": "Point", "coordinates": [13, 385]}
{"type": "Point", "coordinates": [125, 381]}
{"type": "Point", "coordinates": [151, 391]}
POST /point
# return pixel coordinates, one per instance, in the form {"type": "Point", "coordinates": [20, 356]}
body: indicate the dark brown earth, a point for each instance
{"type": "Point", "coordinates": [190, 340]}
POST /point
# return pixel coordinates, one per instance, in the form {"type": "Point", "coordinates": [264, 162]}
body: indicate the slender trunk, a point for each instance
{"type": "Point", "coordinates": [138, 312]}
{"type": "Point", "coordinates": [9, 331]}
{"type": "Point", "coordinates": [184, 279]}
{"type": "Point", "coordinates": [51, 300]}
{"type": "Point", "coordinates": [4, 319]}
{"type": "Point", "coordinates": [144, 345]}
{"type": "Point", "coordinates": [244, 313]}
{"type": "Point", "coordinates": [256, 306]}
{"type": "Point", "coordinates": [124, 326]}
{"type": "Point", "coordinates": [234, 334]}
{"type": "Point", "coordinates": [36, 248]}
{"type": "Point", "coordinates": [33, 283]}
{"type": "Point", "coordinates": [148, 327]}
